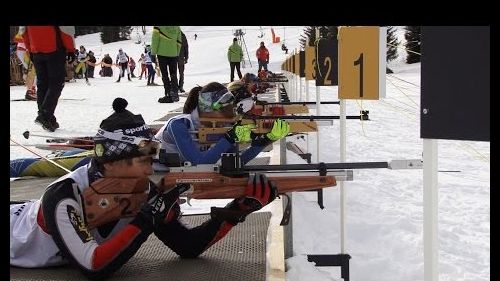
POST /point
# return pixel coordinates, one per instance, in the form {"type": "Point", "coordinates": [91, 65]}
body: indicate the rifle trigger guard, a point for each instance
{"type": "Point", "coordinates": [287, 212]}
{"type": "Point", "coordinates": [322, 169]}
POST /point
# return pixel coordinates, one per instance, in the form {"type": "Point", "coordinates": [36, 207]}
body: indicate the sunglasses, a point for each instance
{"type": "Point", "coordinates": [144, 146]}
{"type": "Point", "coordinates": [225, 99]}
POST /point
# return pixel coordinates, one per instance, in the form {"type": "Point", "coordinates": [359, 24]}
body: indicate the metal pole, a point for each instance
{"type": "Point", "coordinates": [431, 248]}
{"type": "Point", "coordinates": [343, 142]}
{"type": "Point", "coordinates": [307, 82]}
{"type": "Point", "coordinates": [300, 88]}
{"type": "Point", "coordinates": [294, 96]}
{"type": "Point", "coordinates": [297, 89]}
{"type": "Point", "coordinates": [307, 99]}
{"type": "Point", "coordinates": [307, 90]}
{"type": "Point", "coordinates": [292, 86]}
{"type": "Point", "coordinates": [318, 112]}
{"type": "Point", "coordinates": [245, 44]}
{"type": "Point", "coordinates": [287, 229]}
{"type": "Point", "coordinates": [287, 85]}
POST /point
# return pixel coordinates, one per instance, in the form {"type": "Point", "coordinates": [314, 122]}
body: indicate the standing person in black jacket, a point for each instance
{"type": "Point", "coordinates": [183, 59]}
{"type": "Point", "coordinates": [91, 65]}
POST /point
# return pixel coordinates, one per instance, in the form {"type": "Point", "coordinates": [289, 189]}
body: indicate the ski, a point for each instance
{"type": "Point", "coordinates": [154, 85]}
{"type": "Point", "coordinates": [59, 99]}
{"type": "Point", "coordinates": [64, 146]}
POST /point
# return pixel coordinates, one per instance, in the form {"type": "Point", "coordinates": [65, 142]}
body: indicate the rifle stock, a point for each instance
{"type": "Point", "coordinates": [213, 134]}
{"type": "Point", "coordinates": [211, 185]}
{"type": "Point", "coordinates": [108, 199]}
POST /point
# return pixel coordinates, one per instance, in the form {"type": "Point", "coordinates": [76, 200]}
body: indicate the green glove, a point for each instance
{"type": "Point", "coordinates": [240, 133]}
{"type": "Point", "coordinates": [280, 129]}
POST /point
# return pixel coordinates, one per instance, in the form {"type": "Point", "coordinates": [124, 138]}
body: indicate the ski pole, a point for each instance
{"type": "Point", "coordinates": [51, 161]}
{"type": "Point", "coordinates": [27, 134]}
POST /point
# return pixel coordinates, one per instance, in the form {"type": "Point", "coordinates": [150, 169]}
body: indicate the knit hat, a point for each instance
{"type": "Point", "coordinates": [123, 135]}
{"type": "Point", "coordinates": [250, 77]}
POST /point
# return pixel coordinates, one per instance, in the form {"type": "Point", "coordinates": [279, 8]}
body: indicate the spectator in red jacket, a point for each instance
{"type": "Point", "coordinates": [49, 46]}
{"type": "Point", "coordinates": [131, 65]}
{"type": "Point", "coordinates": [262, 56]}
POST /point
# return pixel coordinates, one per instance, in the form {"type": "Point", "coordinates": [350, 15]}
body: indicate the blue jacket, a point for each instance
{"type": "Point", "coordinates": [176, 136]}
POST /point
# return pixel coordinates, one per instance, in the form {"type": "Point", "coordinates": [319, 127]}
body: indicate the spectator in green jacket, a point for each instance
{"type": "Point", "coordinates": [183, 59]}
{"type": "Point", "coordinates": [166, 44]}
{"type": "Point", "coordinates": [235, 56]}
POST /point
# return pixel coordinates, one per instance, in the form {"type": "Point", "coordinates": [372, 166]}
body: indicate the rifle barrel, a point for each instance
{"type": "Point", "coordinates": [303, 117]}
{"type": "Point", "coordinates": [300, 103]}
{"type": "Point", "coordinates": [317, 166]}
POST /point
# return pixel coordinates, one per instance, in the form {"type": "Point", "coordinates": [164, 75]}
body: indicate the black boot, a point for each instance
{"type": "Point", "coordinates": [45, 122]}
{"type": "Point", "coordinates": [174, 95]}
{"type": "Point", "coordinates": [53, 122]}
{"type": "Point", "coordinates": [128, 76]}
{"type": "Point", "coordinates": [165, 99]}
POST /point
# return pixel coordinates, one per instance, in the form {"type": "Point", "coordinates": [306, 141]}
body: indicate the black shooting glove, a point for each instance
{"type": "Point", "coordinates": [258, 193]}
{"type": "Point", "coordinates": [161, 208]}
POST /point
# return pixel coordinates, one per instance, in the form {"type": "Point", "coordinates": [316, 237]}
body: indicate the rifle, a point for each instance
{"type": "Point", "coordinates": [214, 185]}
{"type": "Point", "coordinates": [278, 109]}
{"type": "Point", "coordinates": [264, 123]}
{"type": "Point", "coordinates": [229, 179]}
{"type": "Point", "coordinates": [309, 104]}
{"type": "Point", "coordinates": [215, 131]}
{"type": "Point", "coordinates": [109, 199]}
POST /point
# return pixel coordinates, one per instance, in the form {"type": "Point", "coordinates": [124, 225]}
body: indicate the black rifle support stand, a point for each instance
{"type": "Point", "coordinates": [341, 260]}
{"type": "Point", "coordinates": [322, 172]}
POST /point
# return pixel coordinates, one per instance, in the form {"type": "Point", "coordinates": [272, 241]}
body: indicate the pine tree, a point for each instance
{"type": "Point", "coordinates": [110, 34]}
{"type": "Point", "coordinates": [125, 32]}
{"type": "Point", "coordinates": [392, 44]}
{"type": "Point", "coordinates": [328, 32]}
{"type": "Point", "coordinates": [82, 30]}
{"type": "Point", "coordinates": [331, 32]}
{"type": "Point", "coordinates": [412, 45]}
{"type": "Point", "coordinates": [309, 32]}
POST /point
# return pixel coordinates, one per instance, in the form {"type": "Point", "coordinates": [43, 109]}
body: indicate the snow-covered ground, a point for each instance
{"type": "Point", "coordinates": [384, 210]}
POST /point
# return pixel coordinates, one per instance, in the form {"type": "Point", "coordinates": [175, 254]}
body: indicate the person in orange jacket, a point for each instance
{"type": "Point", "coordinates": [48, 46]}
{"type": "Point", "coordinates": [262, 56]}
{"type": "Point", "coordinates": [28, 68]}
